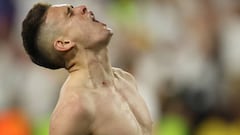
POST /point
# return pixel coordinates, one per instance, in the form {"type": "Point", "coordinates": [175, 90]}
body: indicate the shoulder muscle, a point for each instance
{"type": "Point", "coordinates": [71, 117]}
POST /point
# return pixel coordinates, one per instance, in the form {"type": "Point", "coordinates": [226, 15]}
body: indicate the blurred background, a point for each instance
{"type": "Point", "coordinates": [185, 55]}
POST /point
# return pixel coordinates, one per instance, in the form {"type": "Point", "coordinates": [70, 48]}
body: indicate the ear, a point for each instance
{"type": "Point", "coordinates": [63, 45]}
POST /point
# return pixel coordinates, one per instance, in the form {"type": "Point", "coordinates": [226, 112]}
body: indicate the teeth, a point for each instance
{"type": "Point", "coordinates": [92, 17]}
{"type": "Point", "coordinates": [109, 29]}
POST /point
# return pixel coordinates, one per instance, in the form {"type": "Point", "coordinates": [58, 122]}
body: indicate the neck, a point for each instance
{"type": "Point", "coordinates": [91, 68]}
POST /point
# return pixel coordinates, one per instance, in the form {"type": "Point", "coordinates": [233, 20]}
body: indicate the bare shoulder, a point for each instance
{"type": "Point", "coordinates": [73, 113]}
{"type": "Point", "coordinates": [119, 73]}
{"type": "Point", "coordinates": [76, 99]}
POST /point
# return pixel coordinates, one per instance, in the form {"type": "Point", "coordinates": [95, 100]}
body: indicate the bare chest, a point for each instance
{"type": "Point", "coordinates": [120, 110]}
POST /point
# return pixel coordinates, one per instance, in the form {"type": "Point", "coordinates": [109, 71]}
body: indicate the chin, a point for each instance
{"type": "Point", "coordinates": [101, 41]}
{"type": "Point", "coordinates": [105, 41]}
{"type": "Point", "coordinates": [105, 37]}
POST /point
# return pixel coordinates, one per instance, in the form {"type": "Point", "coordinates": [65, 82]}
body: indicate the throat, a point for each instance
{"type": "Point", "coordinates": [99, 68]}
{"type": "Point", "coordinates": [91, 68]}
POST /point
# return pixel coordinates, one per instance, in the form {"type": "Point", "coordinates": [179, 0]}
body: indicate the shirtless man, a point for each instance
{"type": "Point", "coordinates": [96, 99]}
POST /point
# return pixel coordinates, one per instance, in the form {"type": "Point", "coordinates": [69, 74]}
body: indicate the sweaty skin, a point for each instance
{"type": "Point", "coordinates": [97, 99]}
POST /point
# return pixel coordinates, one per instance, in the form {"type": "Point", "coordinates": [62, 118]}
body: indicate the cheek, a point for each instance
{"type": "Point", "coordinates": [88, 33]}
{"type": "Point", "coordinates": [77, 30]}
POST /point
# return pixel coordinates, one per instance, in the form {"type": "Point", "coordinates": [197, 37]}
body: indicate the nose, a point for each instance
{"type": "Point", "coordinates": [83, 9]}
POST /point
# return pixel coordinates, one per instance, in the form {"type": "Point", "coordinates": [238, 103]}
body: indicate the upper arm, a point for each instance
{"type": "Point", "coordinates": [71, 119]}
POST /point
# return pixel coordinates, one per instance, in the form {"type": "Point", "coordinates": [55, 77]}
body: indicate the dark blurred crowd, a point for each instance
{"type": "Point", "coordinates": [185, 55]}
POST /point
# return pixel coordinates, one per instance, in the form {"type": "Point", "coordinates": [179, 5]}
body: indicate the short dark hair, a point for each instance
{"type": "Point", "coordinates": [30, 35]}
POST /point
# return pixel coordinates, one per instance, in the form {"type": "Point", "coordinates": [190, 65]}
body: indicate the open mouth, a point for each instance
{"type": "Point", "coordinates": [92, 16]}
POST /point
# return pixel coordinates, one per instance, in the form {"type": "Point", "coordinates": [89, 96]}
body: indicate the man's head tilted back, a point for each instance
{"type": "Point", "coordinates": [50, 32]}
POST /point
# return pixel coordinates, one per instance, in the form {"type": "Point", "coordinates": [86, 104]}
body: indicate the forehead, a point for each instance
{"type": "Point", "coordinates": [56, 12]}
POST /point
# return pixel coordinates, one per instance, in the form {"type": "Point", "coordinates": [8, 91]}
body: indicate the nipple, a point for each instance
{"type": "Point", "coordinates": [104, 83]}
